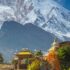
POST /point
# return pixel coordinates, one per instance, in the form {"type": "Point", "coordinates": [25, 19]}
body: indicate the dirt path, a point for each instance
{"type": "Point", "coordinates": [6, 67]}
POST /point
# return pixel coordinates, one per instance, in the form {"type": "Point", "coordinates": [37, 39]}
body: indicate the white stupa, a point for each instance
{"type": "Point", "coordinates": [54, 45]}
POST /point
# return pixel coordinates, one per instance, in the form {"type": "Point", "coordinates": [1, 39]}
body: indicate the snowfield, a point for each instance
{"type": "Point", "coordinates": [46, 14]}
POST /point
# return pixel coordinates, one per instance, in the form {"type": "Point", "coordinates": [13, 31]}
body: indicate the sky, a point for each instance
{"type": "Point", "coordinates": [65, 3]}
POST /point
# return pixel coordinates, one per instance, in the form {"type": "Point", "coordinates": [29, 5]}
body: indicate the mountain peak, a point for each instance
{"type": "Point", "coordinates": [48, 15]}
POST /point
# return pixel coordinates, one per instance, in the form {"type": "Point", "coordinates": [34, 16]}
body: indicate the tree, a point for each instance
{"type": "Point", "coordinates": [38, 53]}
{"type": "Point", "coordinates": [1, 58]}
{"type": "Point", "coordinates": [64, 57]}
{"type": "Point", "coordinates": [35, 65]}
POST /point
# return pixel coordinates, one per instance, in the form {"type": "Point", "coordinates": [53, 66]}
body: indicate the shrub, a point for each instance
{"type": "Point", "coordinates": [64, 57]}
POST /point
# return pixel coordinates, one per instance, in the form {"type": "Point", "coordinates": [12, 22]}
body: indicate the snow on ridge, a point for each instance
{"type": "Point", "coordinates": [57, 20]}
{"type": "Point", "coordinates": [17, 12]}
{"type": "Point", "coordinates": [47, 14]}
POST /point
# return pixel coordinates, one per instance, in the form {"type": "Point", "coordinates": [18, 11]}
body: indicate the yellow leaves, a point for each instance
{"type": "Point", "coordinates": [35, 65]}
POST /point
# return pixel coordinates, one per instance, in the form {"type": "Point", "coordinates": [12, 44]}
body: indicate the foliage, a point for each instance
{"type": "Point", "coordinates": [64, 57]}
{"type": "Point", "coordinates": [1, 59]}
{"type": "Point", "coordinates": [53, 60]}
{"type": "Point", "coordinates": [38, 64]}
{"type": "Point", "coordinates": [35, 65]}
{"type": "Point", "coordinates": [26, 61]}
{"type": "Point", "coordinates": [38, 53]}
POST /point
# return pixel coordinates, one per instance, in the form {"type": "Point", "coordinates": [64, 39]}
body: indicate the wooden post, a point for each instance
{"type": "Point", "coordinates": [18, 64]}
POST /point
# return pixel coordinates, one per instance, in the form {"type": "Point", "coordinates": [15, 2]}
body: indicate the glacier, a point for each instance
{"type": "Point", "coordinates": [46, 14]}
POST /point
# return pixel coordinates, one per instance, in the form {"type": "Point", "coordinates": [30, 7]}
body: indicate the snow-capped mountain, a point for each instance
{"type": "Point", "coordinates": [15, 10]}
{"type": "Point", "coordinates": [46, 14]}
{"type": "Point", "coordinates": [53, 17]}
